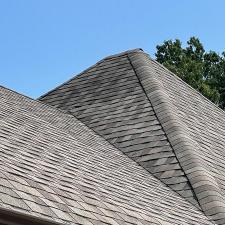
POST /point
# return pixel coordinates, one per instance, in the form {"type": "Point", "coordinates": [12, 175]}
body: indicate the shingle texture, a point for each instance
{"type": "Point", "coordinates": [156, 119]}
{"type": "Point", "coordinates": [110, 99]}
{"type": "Point", "coordinates": [53, 167]}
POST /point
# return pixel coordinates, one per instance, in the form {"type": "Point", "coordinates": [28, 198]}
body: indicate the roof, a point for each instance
{"type": "Point", "coordinates": [56, 169]}
{"type": "Point", "coordinates": [110, 99]}
{"type": "Point", "coordinates": [157, 120]}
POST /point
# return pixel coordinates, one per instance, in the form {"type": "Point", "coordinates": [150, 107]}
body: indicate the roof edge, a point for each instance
{"type": "Point", "coordinates": [16, 217]}
{"type": "Point", "coordinates": [193, 89]}
{"type": "Point", "coordinates": [135, 50]}
{"type": "Point", "coordinates": [91, 67]}
{"type": "Point", "coordinates": [203, 183]}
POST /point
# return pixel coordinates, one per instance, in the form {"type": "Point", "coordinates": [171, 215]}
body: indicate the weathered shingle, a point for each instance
{"type": "Point", "coordinates": [110, 99]}
{"type": "Point", "coordinates": [53, 167]}
{"type": "Point", "coordinates": [156, 119]}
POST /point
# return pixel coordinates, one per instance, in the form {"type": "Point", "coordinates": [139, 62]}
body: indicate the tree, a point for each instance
{"type": "Point", "coordinates": [204, 71]}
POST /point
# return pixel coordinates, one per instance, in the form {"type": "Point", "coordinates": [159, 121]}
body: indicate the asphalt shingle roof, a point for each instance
{"type": "Point", "coordinates": [110, 99]}
{"type": "Point", "coordinates": [157, 120]}
{"type": "Point", "coordinates": [55, 168]}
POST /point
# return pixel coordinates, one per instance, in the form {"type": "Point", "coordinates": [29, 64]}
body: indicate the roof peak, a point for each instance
{"type": "Point", "coordinates": [135, 50]}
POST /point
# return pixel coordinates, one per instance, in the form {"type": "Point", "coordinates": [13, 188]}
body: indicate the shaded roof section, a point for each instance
{"type": "Point", "coordinates": [156, 119]}
{"type": "Point", "coordinates": [110, 99]}
{"type": "Point", "coordinates": [54, 168]}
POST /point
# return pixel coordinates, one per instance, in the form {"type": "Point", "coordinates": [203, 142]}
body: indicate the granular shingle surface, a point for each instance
{"type": "Point", "coordinates": [157, 120]}
{"type": "Point", "coordinates": [110, 99]}
{"type": "Point", "coordinates": [55, 168]}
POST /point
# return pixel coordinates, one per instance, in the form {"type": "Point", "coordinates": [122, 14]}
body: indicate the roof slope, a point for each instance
{"type": "Point", "coordinates": [110, 99]}
{"type": "Point", "coordinates": [157, 120]}
{"type": "Point", "coordinates": [54, 168]}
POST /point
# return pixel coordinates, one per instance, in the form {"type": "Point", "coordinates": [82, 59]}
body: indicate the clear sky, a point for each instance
{"type": "Point", "coordinates": [45, 42]}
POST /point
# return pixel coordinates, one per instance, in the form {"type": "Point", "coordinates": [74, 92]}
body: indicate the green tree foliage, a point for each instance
{"type": "Point", "coordinates": [204, 71]}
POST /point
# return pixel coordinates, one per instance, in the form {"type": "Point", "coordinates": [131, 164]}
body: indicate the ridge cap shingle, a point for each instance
{"type": "Point", "coordinates": [189, 86]}
{"type": "Point", "coordinates": [135, 50]}
{"type": "Point", "coordinates": [177, 132]}
{"type": "Point", "coordinates": [205, 185]}
{"type": "Point", "coordinates": [168, 165]}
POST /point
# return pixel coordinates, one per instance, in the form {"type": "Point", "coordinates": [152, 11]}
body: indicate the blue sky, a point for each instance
{"type": "Point", "coordinates": [45, 42]}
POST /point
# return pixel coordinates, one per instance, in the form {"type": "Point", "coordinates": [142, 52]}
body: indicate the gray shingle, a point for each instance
{"type": "Point", "coordinates": [85, 170]}
{"type": "Point", "coordinates": [124, 123]}
{"type": "Point", "coordinates": [191, 128]}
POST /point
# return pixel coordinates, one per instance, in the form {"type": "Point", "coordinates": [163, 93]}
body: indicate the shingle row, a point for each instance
{"type": "Point", "coordinates": [110, 100]}
{"type": "Point", "coordinates": [55, 168]}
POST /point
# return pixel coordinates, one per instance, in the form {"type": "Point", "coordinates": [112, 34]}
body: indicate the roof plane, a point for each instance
{"type": "Point", "coordinates": [54, 168]}
{"type": "Point", "coordinates": [156, 119]}
{"type": "Point", "coordinates": [111, 100]}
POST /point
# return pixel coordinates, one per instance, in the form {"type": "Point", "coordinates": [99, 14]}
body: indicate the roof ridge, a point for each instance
{"type": "Point", "coordinates": [183, 145]}
{"type": "Point", "coordinates": [193, 89]}
{"type": "Point", "coordinates": [135, 50]}
{"type": "Point", "coordinates": [194, 202]}
{"type": "Point", "coordinates": [161, 126]}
